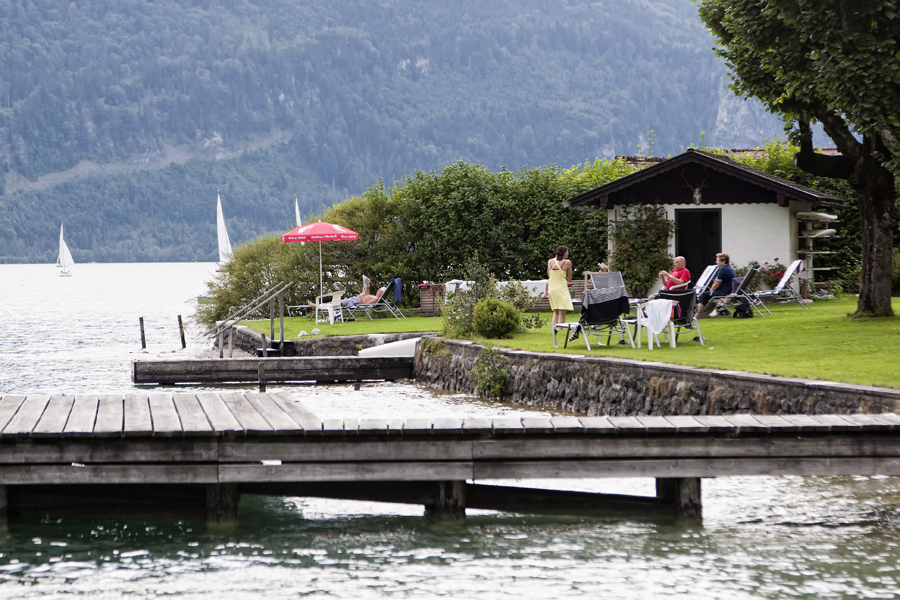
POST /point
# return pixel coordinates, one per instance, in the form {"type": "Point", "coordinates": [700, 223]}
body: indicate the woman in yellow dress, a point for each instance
{"type": "Point", "coordinates": [559, 273]}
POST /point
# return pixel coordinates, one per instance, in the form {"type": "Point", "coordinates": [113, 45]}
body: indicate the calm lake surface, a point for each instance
{"type": "Point", "coordinates": [762, 537]}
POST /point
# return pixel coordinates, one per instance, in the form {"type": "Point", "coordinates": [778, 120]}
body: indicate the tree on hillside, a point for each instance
{"type": "Point", "coordinates": [836, 62]}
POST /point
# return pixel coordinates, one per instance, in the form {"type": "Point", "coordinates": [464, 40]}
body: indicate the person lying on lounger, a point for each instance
{"type": "Point", "coordinates": [364, 298]}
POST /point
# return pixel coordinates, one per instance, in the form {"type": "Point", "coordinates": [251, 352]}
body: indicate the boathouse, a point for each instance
{"type": "Point", "coordinates": [718, 205]}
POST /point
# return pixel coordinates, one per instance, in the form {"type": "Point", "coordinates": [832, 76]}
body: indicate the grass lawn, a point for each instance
{"type": "Point", "coordinates": [818, 344]}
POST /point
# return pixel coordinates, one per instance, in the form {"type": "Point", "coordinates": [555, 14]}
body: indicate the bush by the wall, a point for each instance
{"type": "Point", "coordinates": [495, 318]}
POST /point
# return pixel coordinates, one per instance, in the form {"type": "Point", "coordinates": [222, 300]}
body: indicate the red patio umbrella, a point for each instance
{"type": "Point", "coordinates": [320, 232]}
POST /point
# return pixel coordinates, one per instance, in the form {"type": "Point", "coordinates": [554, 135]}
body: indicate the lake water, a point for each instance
{"type": "Point", "coordinates": [763, 537]}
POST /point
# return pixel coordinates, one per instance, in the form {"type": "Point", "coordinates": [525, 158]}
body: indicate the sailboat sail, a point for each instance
{"type": "Point", "coordinates": [65, 260]}
{"type": "Point", "coordinates": [297, 216]}
{"type": "Point", "coordinates": [224, 243]}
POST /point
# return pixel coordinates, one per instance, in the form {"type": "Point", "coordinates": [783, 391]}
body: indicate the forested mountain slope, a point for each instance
{"type": "Point", "coordinates": [359, 91]}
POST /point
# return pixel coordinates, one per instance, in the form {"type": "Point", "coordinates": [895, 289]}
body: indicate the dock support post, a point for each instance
{"type": "Point", "coordinates": [222, 503]}
{"type": "Point", "coordinates": [231, 343]}
{"type": "Point", "coordinates": [449, 501]}
{"type": "Point", "coordinates": [143, 339]}
{"type": "Point", "coordinates": [684, 493]}
{"type": "Point", "coordinates": [221, 341]}
{"type": "Point", "coordinates": [261, 373]}
{"type": "Point", "coordinates": [181, 331]}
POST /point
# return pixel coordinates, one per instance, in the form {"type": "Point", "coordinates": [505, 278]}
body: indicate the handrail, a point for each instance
{"type": "Point", "coordinates": [234, 318]}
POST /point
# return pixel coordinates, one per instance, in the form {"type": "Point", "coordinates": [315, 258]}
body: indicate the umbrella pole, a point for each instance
{"type": "Point", "coordinates": [321, 290]}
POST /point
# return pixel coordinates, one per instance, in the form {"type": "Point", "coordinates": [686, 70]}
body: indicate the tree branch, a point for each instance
{"type": "Point", "coordinates": [822, 165]}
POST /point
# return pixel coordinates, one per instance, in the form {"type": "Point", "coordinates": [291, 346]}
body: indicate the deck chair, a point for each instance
{"type": "Point", "coordinates": [328, 308]}
{"type": "Point", "coordinates": [385, 304]}
{"type": "Point", "coordinates": [705, 280]}
{"type": "Point", "coordinates": [601, 314]}
{"type": "Point", "coordinates": [607, 280]}
{"type": "Point", "coordinates": [783, 291]}
{"type": "Point", "coordinates": [683, 317]}
{"type": "Point", "coordinates": [742, 292]}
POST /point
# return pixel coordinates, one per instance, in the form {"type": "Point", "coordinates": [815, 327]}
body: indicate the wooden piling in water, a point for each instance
{"type": "Point", "coordinates": [181, 331]}
{"type": "Point", "coordinates": [143, 339]}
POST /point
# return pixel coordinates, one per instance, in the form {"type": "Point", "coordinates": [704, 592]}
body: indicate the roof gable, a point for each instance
{"type": "Point", "coordinates": [697, 178]}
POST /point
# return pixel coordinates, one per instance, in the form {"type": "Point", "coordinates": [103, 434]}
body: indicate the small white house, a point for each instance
{"type": "Point", "coordinates": [718, 205]}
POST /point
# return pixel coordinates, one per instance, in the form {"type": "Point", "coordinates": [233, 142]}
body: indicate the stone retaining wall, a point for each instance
{"type": "Point", "coordinates": [611, 386]}
{"type": "Point", "coordinates": [593, 385]}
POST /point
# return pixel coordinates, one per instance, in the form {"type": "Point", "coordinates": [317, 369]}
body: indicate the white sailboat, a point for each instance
{"type": "Point", "coordinates": [224, 242]}
{"type": "Point", "coordinates": [64, 261]}
{"type": "Point", "coordinates": [297, 216]}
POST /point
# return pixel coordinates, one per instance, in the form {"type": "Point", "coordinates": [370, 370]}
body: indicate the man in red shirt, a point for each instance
{"type": "Point", "coordinates": [678, 278]}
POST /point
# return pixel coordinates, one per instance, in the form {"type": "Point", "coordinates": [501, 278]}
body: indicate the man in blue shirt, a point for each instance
{"type": "Point", "coordinates": [720, 287]}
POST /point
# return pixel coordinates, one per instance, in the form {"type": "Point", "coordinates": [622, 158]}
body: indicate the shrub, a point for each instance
{"type": "Point", "coordinates": [518, 295]}
{"type": "Point", "coordinates": [488, 374]}
{"type": "Point", "coordinates": [495, 318]}
{"type": "Point", "coordinates": [457, 313]}
{"type": "Point", "coordinates": [640, 241]}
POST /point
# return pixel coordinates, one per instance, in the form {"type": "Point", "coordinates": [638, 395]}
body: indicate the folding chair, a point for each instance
{"type": "Point", "coordinates": [607, 280]}
{"type": "Point", "coordinates": [742, 292]}
{"type": "Point", "coordinates": [705, 280]}
{"type": "Point", "coordinates": [683, 318]}
{"type": "Point", "coordinates": [601, 314]}
{"type": "Point", "coordinates": [384, 304]}
{"type": "Point", "coordinates": [783, 291]}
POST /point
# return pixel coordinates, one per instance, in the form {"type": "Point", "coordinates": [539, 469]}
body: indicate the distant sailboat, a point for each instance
{"type": "Point", "coordinates": [64, 261]}
{"type": "Point", "coordinates": [224, 243]}
{"type": "Point", "coordinates": [297, 216]}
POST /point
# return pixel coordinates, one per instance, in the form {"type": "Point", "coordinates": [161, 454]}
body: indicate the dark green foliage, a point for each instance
{"type": "Point", "coordinates": [458, 312]}
{"type": "Point", "coordinates": [495, 318]}
{"type": "Point", "coordinates": [256, 267]}
{"type": "Point", "coordinates": [639, 247]}
{"type": "Point", "coordinates": [489, 375]}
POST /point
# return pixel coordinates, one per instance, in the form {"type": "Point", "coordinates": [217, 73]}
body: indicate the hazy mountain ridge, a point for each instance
{"type": "Point", "coordinates": [363, 90]}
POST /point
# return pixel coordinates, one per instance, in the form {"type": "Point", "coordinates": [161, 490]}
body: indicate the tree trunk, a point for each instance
{"type": "Point", "coordinates": [874, 185]}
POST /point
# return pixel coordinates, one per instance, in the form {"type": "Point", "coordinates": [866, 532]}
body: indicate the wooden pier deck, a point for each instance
{"type": "Point", "coordinates": [227, 444]}
{"type": "Point", "coordinates": [247, 370]}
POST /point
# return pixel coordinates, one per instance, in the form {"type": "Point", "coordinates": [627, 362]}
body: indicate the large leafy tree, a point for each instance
{"type": "Point", "coordinates": [836, 62]}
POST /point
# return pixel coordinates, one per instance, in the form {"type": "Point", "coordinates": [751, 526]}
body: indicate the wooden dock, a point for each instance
{"type": "Point", "coordinates": [213, 447]}
{"type": "Point", "coordinates": [275, 369]}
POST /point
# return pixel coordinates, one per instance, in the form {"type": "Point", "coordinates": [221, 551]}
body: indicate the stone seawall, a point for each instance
{"type": "Point", "coordinates": [596, 386]}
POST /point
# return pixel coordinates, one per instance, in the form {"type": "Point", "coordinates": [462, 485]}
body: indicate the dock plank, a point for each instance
{"type": "Point", "coordinates": [271, 411]}
{"type": "Point", "coordinates": [83, 416]}
{"type": "Point", "coordinates": [53, 421]}
{"type": "Point", "coordinates": [251, 421]}
{"type": "Point", "coordinates": [110, 416]}
{"type": "Point", "coordinates": [217, 413]}
{"type": "Point", "coordinates": [306, 420]}
{"type": "Point", "coordinates": [9, 405]}
{"type": "Point", "coordinates": [567, 425]}
{"type": "Point", "coordinates": [27, 417]}
{"type": "Point", "coordinates": [504, 425]}
{"type": "Point", "coordinates": [417, 426]}
{"type": "Point", "coordinates": [137, 417]}
{"type": "Point", "coordinates": [597, 425]}
{"type": "Point", "coordinates": [164, 416]}
{"type": "Point", "coordinates": [193, 419]}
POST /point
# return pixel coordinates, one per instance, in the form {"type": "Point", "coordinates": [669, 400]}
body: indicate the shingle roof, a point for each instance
{"type": "Point", "coordinates": [778, 186]}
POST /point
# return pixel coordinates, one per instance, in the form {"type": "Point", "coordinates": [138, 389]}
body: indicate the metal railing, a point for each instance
{"type": "Point", "coordinates": [227, 325]}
